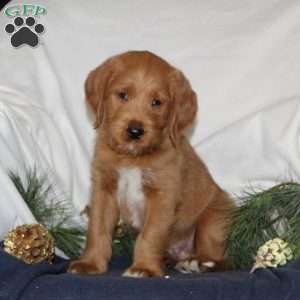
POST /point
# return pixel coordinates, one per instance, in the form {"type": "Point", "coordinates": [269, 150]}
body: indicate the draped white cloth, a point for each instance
{"type": "Point", "coordinates": [242, 58]}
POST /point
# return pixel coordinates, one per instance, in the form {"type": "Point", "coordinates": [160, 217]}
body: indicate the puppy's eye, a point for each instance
{"type": "Point", "coordinates": [123, 96]}
{"type": "Point", "coordinates": [156, 103]}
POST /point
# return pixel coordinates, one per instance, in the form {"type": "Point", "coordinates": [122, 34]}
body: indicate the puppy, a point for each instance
{"type": "Point", "coordinates": [146, 172]}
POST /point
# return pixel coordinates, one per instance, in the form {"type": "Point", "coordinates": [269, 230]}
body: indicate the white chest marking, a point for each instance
{"type": "Point", "coordinates": [130, 194]}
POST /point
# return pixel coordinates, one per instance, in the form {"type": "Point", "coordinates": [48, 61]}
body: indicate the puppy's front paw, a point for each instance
{"type": "Point", "coordinates": [194, 266]}
{"type": "Point", "coordinates": [85, 267]}
{"type": "Point", "coordinates": [139, 272]}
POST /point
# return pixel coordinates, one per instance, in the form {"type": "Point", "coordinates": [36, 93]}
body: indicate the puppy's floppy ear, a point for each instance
{"type": "Point", "coordinates": [95, 86]}
{"type": "Point", "coordinates": [184, 105]}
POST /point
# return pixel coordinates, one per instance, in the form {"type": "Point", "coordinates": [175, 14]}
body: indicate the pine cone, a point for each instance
{"type": "Point", "coordinates": [31, 243]}
{"type": "Point", "coordinates": [273, 253]}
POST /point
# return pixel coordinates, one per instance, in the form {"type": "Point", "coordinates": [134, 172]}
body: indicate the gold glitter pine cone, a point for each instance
{"type": "Point", "coordinates": [32, 243]}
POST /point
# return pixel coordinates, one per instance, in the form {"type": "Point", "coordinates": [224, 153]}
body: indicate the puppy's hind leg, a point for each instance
{"type": "Point", "coordinates": [211, 234]}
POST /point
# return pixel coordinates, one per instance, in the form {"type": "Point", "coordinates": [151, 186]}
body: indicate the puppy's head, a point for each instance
{"type": "Point", "coordinates": [140, 101]}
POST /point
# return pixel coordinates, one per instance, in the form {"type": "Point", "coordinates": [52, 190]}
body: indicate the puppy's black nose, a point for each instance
{"type": "Point", "coordinates": [135, 133]}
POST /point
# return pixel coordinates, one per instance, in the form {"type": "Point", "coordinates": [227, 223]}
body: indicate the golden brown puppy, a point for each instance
{"type": "Point", "coordinates": [145, 171]}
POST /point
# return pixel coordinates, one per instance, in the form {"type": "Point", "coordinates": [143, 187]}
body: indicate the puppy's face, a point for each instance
{"type": "Point", "coordinates": [140, 101]}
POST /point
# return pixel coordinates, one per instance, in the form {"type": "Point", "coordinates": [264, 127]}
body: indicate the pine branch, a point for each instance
{"type": "Point", "coordinates": [39, 195]}
{"type": "Point", "coordinates": [123, 243]}
{"type": "Point", "coordinates": [70, 240]}
{"type": "Point", "coordinates": [264, 215]}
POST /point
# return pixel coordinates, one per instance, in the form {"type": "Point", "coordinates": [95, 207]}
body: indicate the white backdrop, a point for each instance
{"type": "Point", "coordinates": [242, 58]}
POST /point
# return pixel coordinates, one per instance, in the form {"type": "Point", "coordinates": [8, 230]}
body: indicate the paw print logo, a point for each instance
{"type": "Point", "coordinates": [24, 32]}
